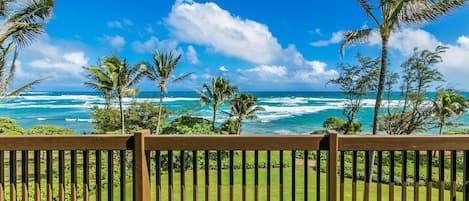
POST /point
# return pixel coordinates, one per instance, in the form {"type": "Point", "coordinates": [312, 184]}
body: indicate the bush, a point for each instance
{"type": "Point", "coordinates": [105, 119]}
{"type": "Point", "coordinates": [9, 127]}
{"type": "Point", "coordinates": [187, 124]}
{"type": "Point", "coordinates": [333, 123]}
{"type": "Point", "coordinates": [49, 130]}
{"type": "Point", "coordinates": [138, 116]}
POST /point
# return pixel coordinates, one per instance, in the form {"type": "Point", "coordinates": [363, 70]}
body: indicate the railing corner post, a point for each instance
{"type": "Point", "coordinates": [142, 182]}
{"type": "Point", "coordinates": [332, 165]}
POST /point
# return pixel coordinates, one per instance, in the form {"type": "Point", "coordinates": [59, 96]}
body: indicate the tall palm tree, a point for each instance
{"type": "Point", "coordinates": [388, 16]}
{"type": "Point", "coordinates": [161, 71]}
{"type": "Point", "coordinates": [115, 77]}
{"type": "Point", "coordinates": [23, 21]}
{"type": "Point", "coordinates": [447, 104]}
{"type": "Point", "coordinates": [243, 106]}
{"type": "Point", "coordinates": [100, 79]}
{"type": "Point", "coordinates": [216, 94]}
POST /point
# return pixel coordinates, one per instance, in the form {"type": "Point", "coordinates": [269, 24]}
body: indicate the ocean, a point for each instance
{"type": "Point", "coordinates": [285, 112]}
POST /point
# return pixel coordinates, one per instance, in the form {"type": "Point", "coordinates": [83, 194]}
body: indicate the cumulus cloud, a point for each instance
{"type": "Point", "coordinates": [192, 55]}
{"type": "Point", "coordinates": [222, 69]}
{"type": "Point", "coordinates": [116, 41]}
{"type": "Point", "coordinates": [71, 62]}
{"type": "Point", "coordinates": [153, 43]}
{"type": "Point", "coordinates": [406, 39]}
{"type": "Point", "coordinates": [208, 24]}
{"type": "Point", "coordinates": [336, 38]}
{"type": "Point", "coordinates": [454, 66]}
{"type": "Point", "coordinates": [45, 58]}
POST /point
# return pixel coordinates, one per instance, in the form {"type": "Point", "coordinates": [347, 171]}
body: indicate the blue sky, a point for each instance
{"type": "Point", "coordinates": [258, 45]}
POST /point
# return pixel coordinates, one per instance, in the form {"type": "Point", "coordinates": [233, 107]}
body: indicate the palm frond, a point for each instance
{"type": "Point", "coordinates": [366, 6]}
{"type": "Point", "coordinates": [22, 33]}
{"type": "Point", "coordinates": [228, 113]}
{"type": "Point", "coordinates": [355, 37]}
{"type": "Point", "coordinates": [33, 11]}
{"type": "Point", "coordinates": [182, 77]}
{"type": "Point", "coordinates": [11, 72]}
{"type": "Point", "coordinates": [27, 86]}
{"type": "Point", "coordinates": [431, 11]}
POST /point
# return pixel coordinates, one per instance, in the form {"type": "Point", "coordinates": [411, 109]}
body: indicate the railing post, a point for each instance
{"type": "Point", "coordinates": [332, 165]}
{"type": "Point", "coordinates": [142, 181]}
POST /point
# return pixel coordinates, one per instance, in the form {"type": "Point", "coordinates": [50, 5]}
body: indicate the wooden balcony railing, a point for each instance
{"type": "Point", "coordinates": [289, 167]}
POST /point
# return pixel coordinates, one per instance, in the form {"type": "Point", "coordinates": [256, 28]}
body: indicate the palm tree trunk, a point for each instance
{"type": "Point", "coordinates": [442, 123]}
{"type": "Point", "coordinates": [121, 108]}
{"type": "Point", "coordinates": [215, 107]}
{"type": "Point", "coordinates": [379, 99]}
{"type": "Point", "coordinates": [159, 113]}
{"type": "Point", "coordinates": [238, 132]}
{"type": "Point", "coordinates": [382, 79]}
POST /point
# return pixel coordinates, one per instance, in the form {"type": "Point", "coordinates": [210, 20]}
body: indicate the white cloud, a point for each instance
{"type": "Point", "coordinates": [153, 43]}
{"type": "Point", "coordinates": [223, 69]}
{"type": "Point", "coordinates": [116, 41]}
{"type": "Point", "coordinates": [406, 39]}
{"type": "Point", "coordinates": [265, 72]}
{"type": "Point", "coordinates": [208, 24]}
{"type": "Point", "coordinates": [192, 55]}
{"type": "Point", "coordinates": [119, 24]}
{"type": "Point", "coordinates": [46, 58]}
{"type": "Point", "coordinates": [71, 62]}
{"type": "Point", "coordinates": [336, 38]}
{"type": "Point", "coordinates": [315, 73]}
{"type": "Point", "coordinates": [454, 67]}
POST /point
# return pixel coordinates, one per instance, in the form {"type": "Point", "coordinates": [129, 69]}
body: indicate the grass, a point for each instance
{"type": "Point", "coordinates": [225, 182]}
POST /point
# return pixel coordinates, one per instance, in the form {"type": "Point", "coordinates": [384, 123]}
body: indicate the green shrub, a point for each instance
{"type": "Point", "coordinates": [138, 116]}
{"type": "Point", "coordinates": [187, 124]}
{"type": "Point", "coordinates": [9, 127]}
{"type": "Point", "coordinates": [49, 130]}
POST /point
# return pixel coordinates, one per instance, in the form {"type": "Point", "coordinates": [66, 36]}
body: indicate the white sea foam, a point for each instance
{"type": "Point", "coordinates": [41, 119]}
{"type": "Point", "coordinates": [85, 120]}
{"type": "Point", "coordinates": [42, 106]}
{"type": "Point", "coordinates": [277, 112]}
{"type": "Point", "coordinates": [285, 100]}
{"type": "Point", "coordinates": [70, 119]}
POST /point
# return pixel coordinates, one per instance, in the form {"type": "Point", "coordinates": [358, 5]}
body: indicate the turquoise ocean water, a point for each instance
{"type": "Point", "coordinates": [286, 112]}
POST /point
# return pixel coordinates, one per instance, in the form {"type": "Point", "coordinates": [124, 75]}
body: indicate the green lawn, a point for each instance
{"type": "Point", "coordinates": [225, 183]}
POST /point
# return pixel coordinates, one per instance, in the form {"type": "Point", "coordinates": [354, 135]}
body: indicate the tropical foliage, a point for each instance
{"type": "Point", "coordinates": [161, 71]}
{"type": "Point", "coordinates": [243, 106]}
{"type": "Point", "coordinates": [448, 103]}
{"type": "Point", "coordinates": [418, 77]}
{"type": "Point", "coordinates": [22, 22]}
{"type": "Point", "coordinates": [216, 94]}
{"type": "Point", "coordinates": [49, 130]}
{"type": "Point", "coordinates": [9, 127]}
{"type": "Point", "coordinates": [355, 82]}
{"type": "Point", "coordinates": [116, 78]}
{"type": "Point", "coordinates": [138, 116]}
{"type": "Point", "coordinates": [187, 124]}
{"type": "Point", "coordinates": [388, 16]}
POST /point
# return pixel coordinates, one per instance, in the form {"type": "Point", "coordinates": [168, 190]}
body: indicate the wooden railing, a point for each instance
{"type": "Point", "coordinates": [143, 167]}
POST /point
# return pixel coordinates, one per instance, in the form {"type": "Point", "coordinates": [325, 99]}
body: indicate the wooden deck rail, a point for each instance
{"type": "Point", "coordinates": [233, 167]}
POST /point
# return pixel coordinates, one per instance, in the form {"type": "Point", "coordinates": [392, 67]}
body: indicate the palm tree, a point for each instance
{"type": "Point", "coordinates": [22, 22]}
{"type": "Point", "coordinates": [389, 17]}
{"type": "Point", "coordinates": [164, 65]}
{"type": "Point", "coordinates": [243, 106]}
{"type": "Point", "coordinates": [216, 94]}
{"type": "Point", "coordinates": [116, 77]}
{"type": "Point", "coordinates": [100, 79]}
{"type": "Point", "coordinates": [447, 104]}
